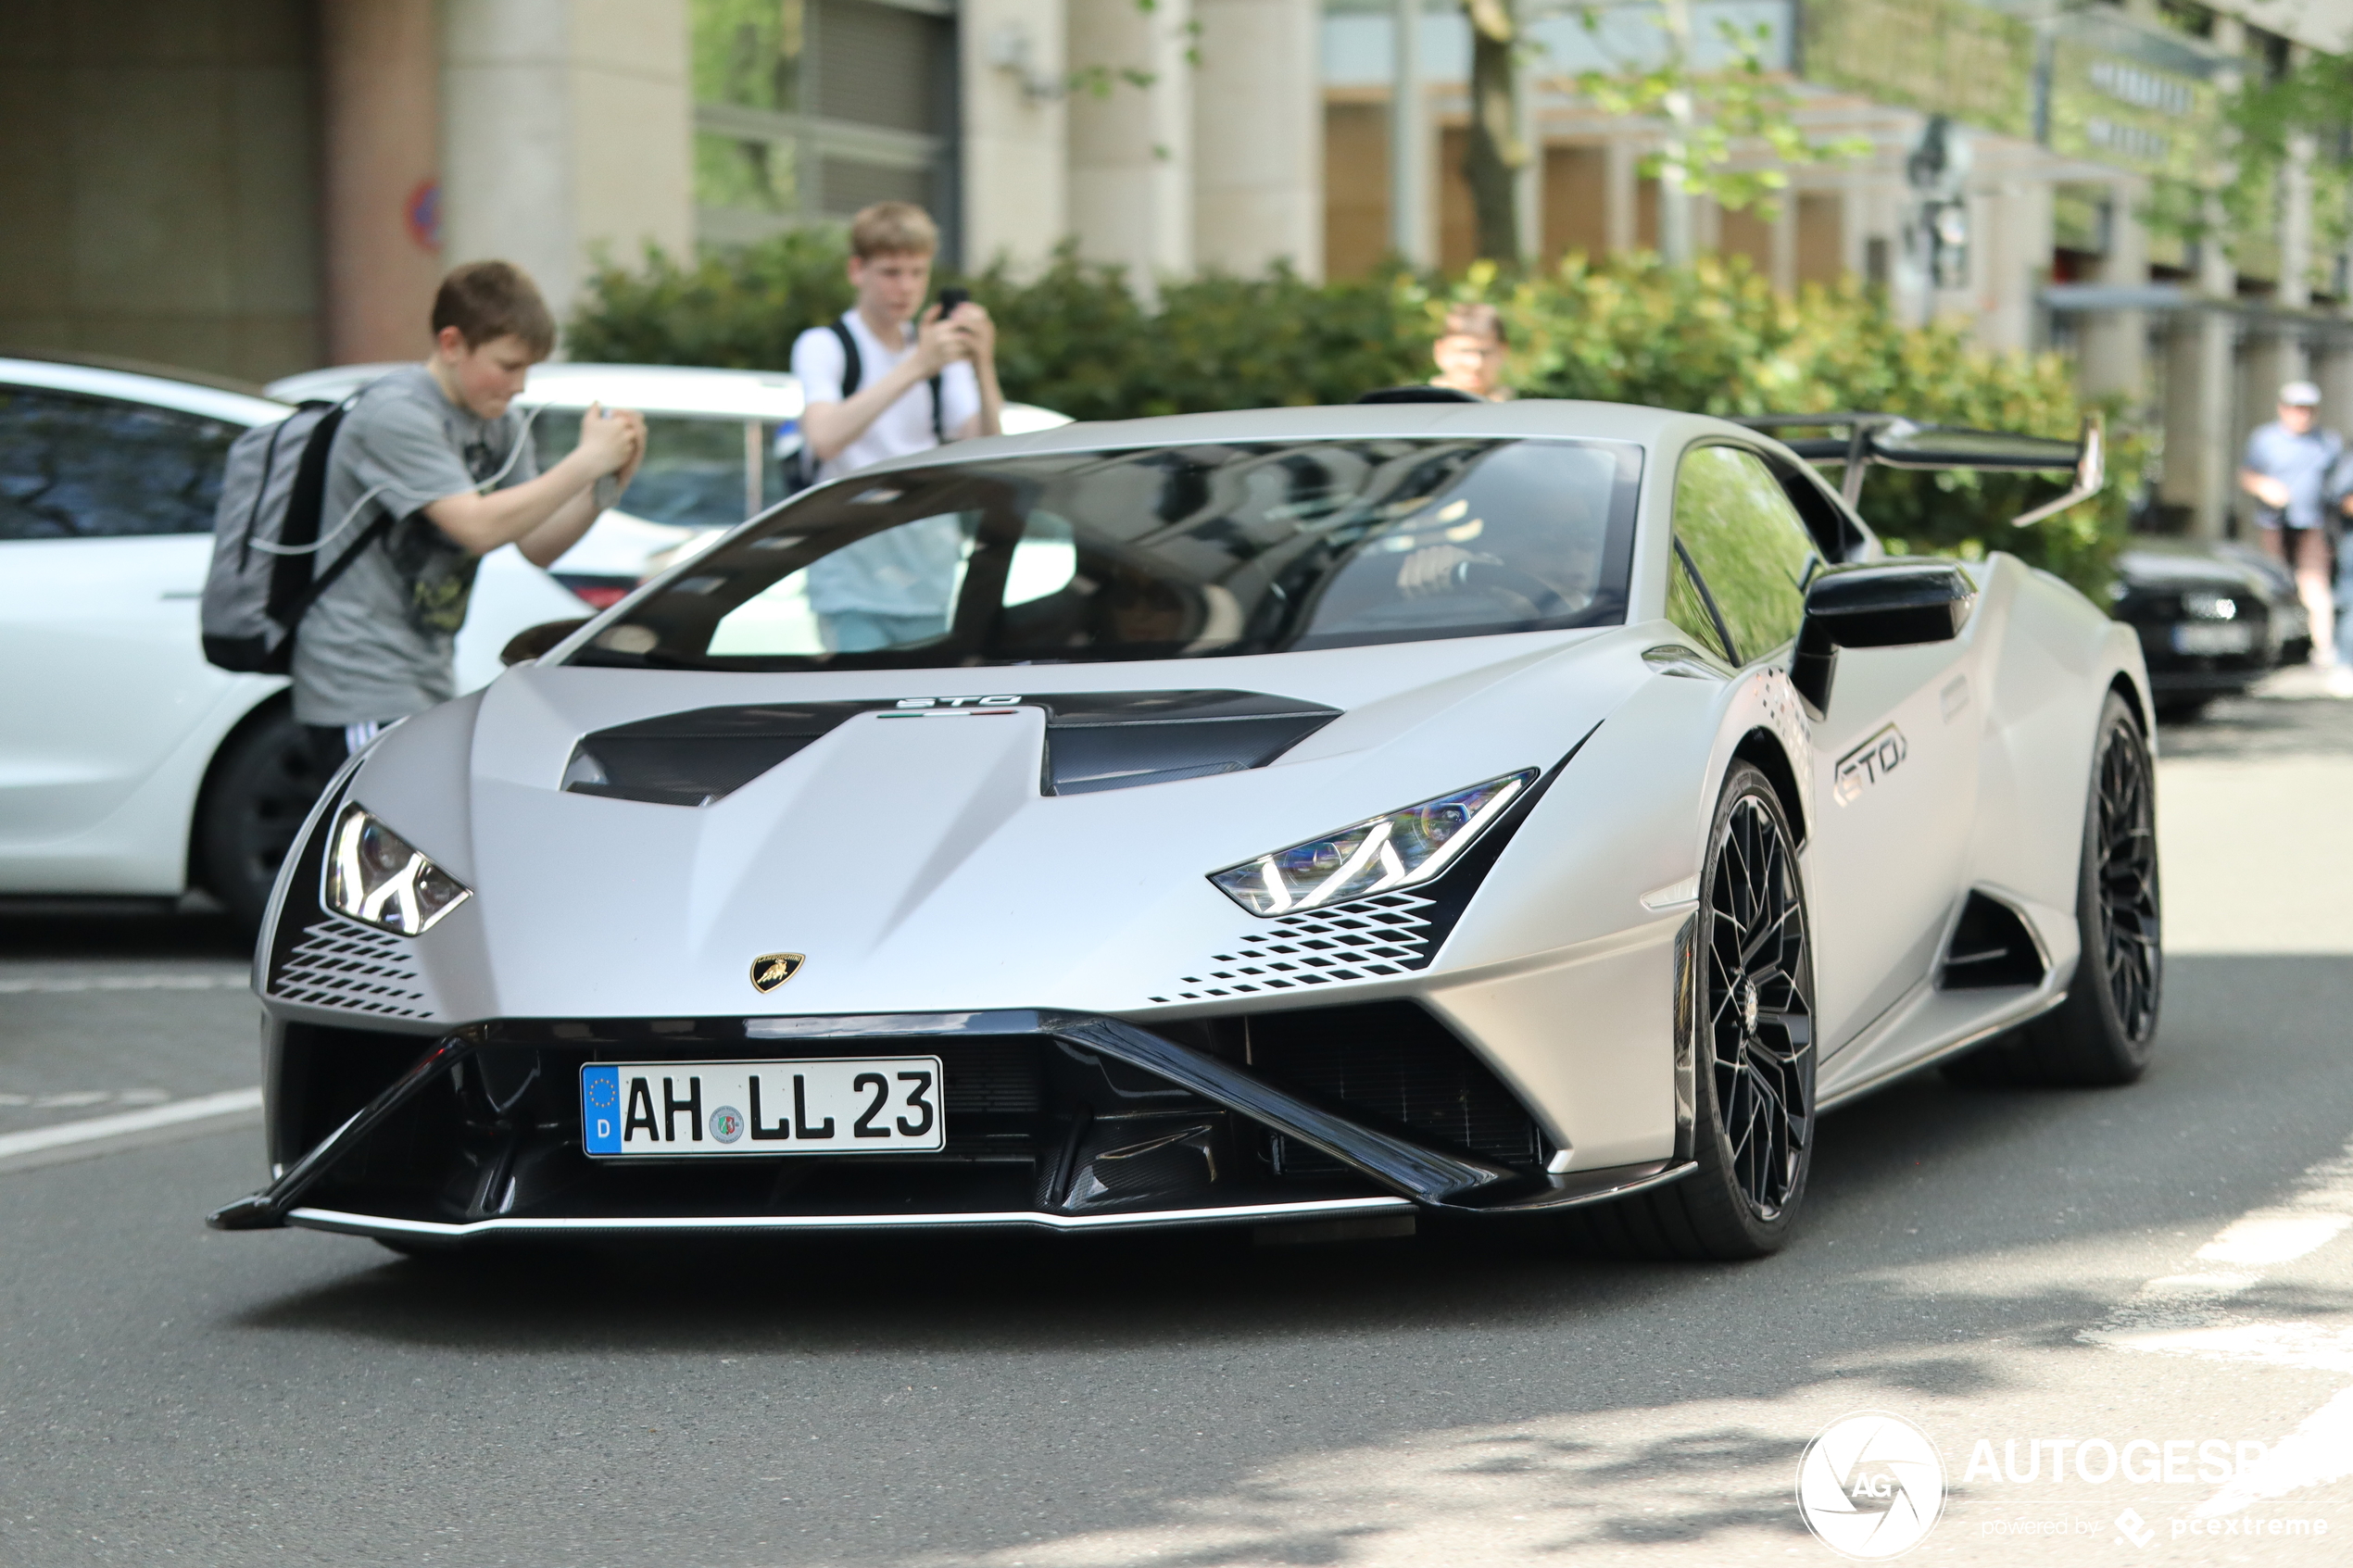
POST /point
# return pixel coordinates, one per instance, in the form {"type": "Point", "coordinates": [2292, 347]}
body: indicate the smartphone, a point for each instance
{"type": "Point", "coordinates": [951, 297]}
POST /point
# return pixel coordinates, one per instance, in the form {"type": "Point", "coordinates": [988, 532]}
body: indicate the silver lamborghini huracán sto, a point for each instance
{"type": "Point", "coordinates": [1311, 816]}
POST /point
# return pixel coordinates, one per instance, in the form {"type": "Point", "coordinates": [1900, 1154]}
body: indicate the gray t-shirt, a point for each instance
{"type": "Point", "coordinates": [2300, 462]}
{"type": "Point", "coordinates": [378, 645]}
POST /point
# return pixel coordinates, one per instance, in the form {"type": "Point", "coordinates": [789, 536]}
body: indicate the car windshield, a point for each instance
{"type": "Point", "coordinates": [700, 471]}
{"type": "Point", "coordinates": [1157, 553]}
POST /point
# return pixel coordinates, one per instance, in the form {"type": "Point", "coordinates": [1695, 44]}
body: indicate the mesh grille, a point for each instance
{"type": "Point", "coordinates": [340, 963]}
{"type": "Point", "coordinates": [1392, 1065]}
{"type": "Point", "coordinates": [1366, 940]}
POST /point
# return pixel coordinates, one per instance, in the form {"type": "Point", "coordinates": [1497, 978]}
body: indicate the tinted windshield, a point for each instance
{"type": "Point", "coordinates": [1158, 553]}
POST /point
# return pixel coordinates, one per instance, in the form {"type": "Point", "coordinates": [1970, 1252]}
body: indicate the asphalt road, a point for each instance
{"type": "Point", "coordinates": [2047, 1274]}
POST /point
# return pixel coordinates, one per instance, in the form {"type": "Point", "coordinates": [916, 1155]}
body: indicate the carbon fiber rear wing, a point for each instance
{"type": "Point", "coordinates": [1859, 440]}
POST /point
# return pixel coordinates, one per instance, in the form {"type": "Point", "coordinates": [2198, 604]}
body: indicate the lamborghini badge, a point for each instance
{"type": "Point", "coordinates": [771, 970]}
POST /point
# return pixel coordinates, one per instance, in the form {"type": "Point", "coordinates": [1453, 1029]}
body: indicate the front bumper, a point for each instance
{"type": "Point", "coordinates": [1057, 1121]}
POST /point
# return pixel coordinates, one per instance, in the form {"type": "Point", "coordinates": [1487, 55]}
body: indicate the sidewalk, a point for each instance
{"type": "Point", "coordinates": [2255, 822]}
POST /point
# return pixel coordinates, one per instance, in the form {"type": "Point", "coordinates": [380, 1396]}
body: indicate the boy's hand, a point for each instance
{"type": "Point", "coordinates": [941, 341]}
{"type": "Point", "coordinates": [980, 332]}
{"type": "Point", "coordinates": [628, 470]}
{"type": "Point", "coordinates": [611, 440]}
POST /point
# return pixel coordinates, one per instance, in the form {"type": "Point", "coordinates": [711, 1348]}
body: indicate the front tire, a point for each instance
{"type": "Point", "coordinates": [1753, 1042]}
{"type": "Point", "coordinates": [263, 785]}
{"type": "Point", "coordinates": [2101, 1034]}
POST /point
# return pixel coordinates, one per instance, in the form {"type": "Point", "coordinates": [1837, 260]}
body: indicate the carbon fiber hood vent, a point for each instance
{"type": "Point", "coordinates": [1094, 741]}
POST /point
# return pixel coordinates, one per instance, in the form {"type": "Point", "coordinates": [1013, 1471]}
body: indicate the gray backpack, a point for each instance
{"type": "Point", "coordinates": [266, 544]}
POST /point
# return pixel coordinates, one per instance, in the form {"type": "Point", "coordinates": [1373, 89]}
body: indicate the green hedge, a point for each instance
{"type": "Point", "coordinates": [1713, 338]}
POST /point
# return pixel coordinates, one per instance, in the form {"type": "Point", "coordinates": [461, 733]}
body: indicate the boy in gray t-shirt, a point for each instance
{"type": "Point", "coordinates": [438, 449]}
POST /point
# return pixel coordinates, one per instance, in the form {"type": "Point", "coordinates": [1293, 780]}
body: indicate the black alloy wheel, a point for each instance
{"type": "Point", "coordinates": [262, 785]}
{"type": "Point", "coordinates": [2101, 1034]}
{"type": "Point", "coordinates": [1753, 1041]}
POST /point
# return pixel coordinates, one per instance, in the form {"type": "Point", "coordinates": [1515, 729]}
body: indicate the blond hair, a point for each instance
{"type": "Point", "coordinates": [893, 229]}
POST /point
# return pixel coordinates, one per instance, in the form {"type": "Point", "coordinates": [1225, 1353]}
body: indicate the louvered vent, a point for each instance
{"type": "Point", "coordinates": [340, 963]}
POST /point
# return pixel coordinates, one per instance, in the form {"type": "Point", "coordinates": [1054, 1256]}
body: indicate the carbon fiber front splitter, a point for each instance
{"type": "Point", "coordinates": [1417, 1174]}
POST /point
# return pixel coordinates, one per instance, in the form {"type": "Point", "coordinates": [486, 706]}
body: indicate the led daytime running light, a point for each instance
{"type": "Point", "coordinates": [376, 876]}
{"type": "Point", "coordinates": [1398, 850]}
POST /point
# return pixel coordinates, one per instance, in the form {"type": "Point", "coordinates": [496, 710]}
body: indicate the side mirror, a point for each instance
{"type": "Point", "coordinates": [533, 641]}
{"type": "Point", "coordinates": [1882, 605]}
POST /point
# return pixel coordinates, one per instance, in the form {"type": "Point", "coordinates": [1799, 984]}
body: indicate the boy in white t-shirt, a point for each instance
{"type": "Point", "coordinates": [884, 384]}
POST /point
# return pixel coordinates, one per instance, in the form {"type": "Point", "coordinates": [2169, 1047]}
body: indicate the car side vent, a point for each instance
{"type": "Point", "coordinates": [1118, 740]}
{"type": "Point", "coordinates": [1392, 1065]}
{"type": "Point", "coordinates": [1990, 947]}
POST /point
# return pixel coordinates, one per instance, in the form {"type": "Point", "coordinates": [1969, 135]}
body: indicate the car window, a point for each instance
{"type": "Point", "coordinates": [696, 473]}
{"type": "Point", "coordinates": [1753, 554]}
{"type": "Point", "coordinates": [1167, 552]}
{"type": "Point", "coordinates": [78, 467]}
{"type": "Point", "coordinates": [1688, 610]}
{"type": "Point", "coordinates": [1834, 536]}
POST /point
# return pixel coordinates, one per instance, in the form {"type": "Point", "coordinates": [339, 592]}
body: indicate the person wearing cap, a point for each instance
{"type": "Point", "coordinates": [2287, 471]}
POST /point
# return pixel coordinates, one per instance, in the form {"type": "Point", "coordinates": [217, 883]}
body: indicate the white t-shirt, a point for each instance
{"type": "Point", "coordinates": [905, 426]}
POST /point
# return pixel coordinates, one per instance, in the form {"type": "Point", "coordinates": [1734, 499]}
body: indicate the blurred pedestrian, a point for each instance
{"type": "Point", "coordinates": [2286, 470]}
{"type": "Point", "coordinates": [892, 377]}
{"type": "Point", "coordinates": [1469, 352]}
{"type": "Point", "coordinates": [435, 461]}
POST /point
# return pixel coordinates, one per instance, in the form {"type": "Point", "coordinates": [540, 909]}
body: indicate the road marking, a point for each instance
{"type": "Point", "coordinates": [17, 986]}
{"type": "Point", "coordinates": [129, 1124]}
{"type": "Point", "coordinates": [2187, 1315]}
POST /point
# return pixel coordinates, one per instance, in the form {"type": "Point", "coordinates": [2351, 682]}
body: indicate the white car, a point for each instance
{"type": "Point", "coordinates": [720, 448]}
{"type": "Point", "coordinates": [1318, 815]}
{"type": "Point", "coordinates": [129, 767]}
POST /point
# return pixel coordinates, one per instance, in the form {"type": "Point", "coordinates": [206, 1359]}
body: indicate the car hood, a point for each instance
{"type": "Point", "coordinates": [2173, 570]}
{"type": "Point", "coordinates": [922, 866]}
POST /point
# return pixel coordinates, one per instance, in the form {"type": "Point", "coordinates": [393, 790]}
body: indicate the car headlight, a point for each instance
{"type": "Point", "coordinates": [1397, 850]}
{"type": "Point", "coordinates": [375, 875]}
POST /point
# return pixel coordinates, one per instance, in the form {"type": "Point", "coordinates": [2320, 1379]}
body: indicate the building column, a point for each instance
{"type": "Point", "coordinates": [1413, 208]}
{"type": "Point", "coordinates": [1258, 136]}
{"type": "Point", "coordinates": [1131, 148]}
{"type": "Point", "coordinates": [567, 130]}
{"type": "Point", "coordinates": [380, 191]}
{"type": "Point", "coordinates": [2114, 358]}
{"type": "Point", "coordinates": [2201, 456]}
{"type": "Point", "coordinates": [1621, 171]}
{"type": "Point", "coordinates": [1016, 168]}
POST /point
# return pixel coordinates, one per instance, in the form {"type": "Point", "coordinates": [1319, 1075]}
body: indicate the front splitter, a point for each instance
{"type": "Point", "coordinates": [1164, 1219]}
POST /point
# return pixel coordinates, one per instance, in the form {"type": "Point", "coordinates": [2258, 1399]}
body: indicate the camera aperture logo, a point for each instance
{"type": "Point", "coordinates": [1871, 1486]}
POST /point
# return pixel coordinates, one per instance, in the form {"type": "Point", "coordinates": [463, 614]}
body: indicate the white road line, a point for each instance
{"type": "Point", "coordinates": [129, 1124]}
{"type": "Point", "coordinates": [2188, 1315]}
{"type": "Point", "coordinates": [16, 987]}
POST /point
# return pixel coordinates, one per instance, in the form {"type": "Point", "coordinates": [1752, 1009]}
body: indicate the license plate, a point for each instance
{"type": "Point", "coordinates": [834, 1105]}
{"type": "Point", "coordinates": [2220, 637]}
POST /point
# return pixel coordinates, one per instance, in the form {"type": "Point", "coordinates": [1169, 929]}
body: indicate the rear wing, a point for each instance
{"type": "Point", "coordinates": [1859, 440]}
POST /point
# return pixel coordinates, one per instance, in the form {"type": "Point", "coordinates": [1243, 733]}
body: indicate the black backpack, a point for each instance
{"type": "Point", "coordinates": [802, 473]}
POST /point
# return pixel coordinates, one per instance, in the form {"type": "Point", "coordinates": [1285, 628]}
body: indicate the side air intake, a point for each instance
{"type": "Point", "coordinates": [1992, 946]}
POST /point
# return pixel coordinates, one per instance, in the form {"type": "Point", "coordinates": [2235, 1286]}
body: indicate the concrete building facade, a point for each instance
{"type": "Point", "coordinates": [257, 186]}
{"type": "Point", "coordinates": [2074, 118]}
{"type": "Point", "coordinates": [251, 187]}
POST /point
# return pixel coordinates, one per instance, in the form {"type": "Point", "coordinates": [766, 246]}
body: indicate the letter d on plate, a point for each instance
{"type": "Point", "coordinates": [600, 1110]}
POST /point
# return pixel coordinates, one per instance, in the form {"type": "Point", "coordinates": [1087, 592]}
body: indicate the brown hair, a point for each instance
{"type": "Point", "coordinates": [1476, 320]}
{"type": "Point", "coordinates": [893, 229]}
{"type": "Point", "coordinates": [488, 299]}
